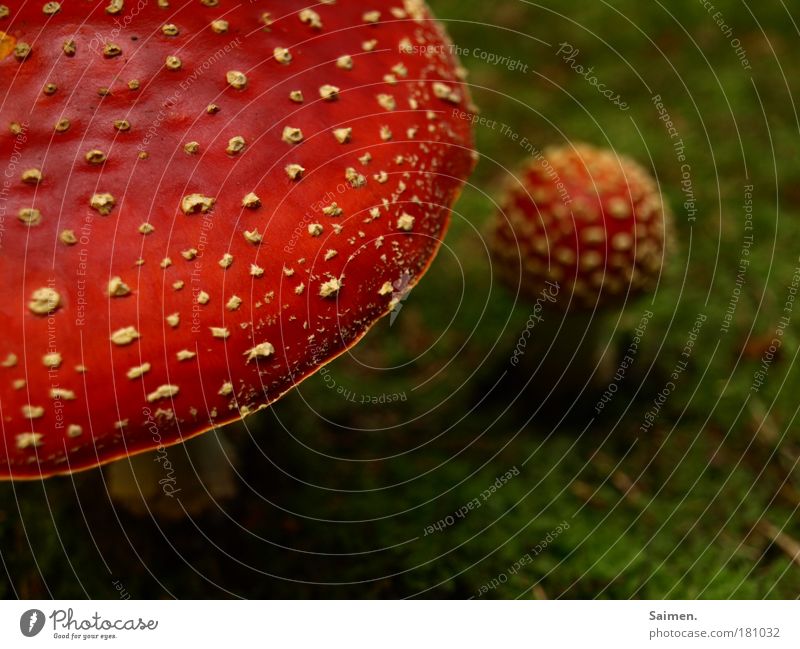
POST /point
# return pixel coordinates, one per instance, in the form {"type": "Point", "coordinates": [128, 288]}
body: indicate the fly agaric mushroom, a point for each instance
{"type": "Point", "coordinates": [208, 202]}
{"type": "Point", "coordinates": [582, 230]}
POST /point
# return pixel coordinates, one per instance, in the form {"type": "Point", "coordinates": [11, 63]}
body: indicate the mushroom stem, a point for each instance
{"type": "Point", "coordinates": [171, 482]}
{"type": "Point", "coordinates": [571, 351]}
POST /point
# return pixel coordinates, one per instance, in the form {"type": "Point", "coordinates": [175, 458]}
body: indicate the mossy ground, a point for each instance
{"type": "Point", "coordinates": [337, 494]}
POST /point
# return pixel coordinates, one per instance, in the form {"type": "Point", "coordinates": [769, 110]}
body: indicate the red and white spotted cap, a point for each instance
{"type": "Point", "coordinates": [209, 200]}
{"type": "Point", "coordinates": [587, 219]}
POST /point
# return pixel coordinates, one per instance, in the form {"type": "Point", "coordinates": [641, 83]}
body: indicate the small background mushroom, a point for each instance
{"type": "Point", "coordinates": [581, 232]}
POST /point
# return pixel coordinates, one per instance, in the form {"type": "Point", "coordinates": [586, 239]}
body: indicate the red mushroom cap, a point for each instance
{"type": "Point", "coordinates": [587, 219]}
{"type": "Point", "coordinates": [205, 203]}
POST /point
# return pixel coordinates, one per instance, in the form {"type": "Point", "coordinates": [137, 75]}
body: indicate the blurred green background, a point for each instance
{"type": "Point", "coordinates": [340, 498]}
